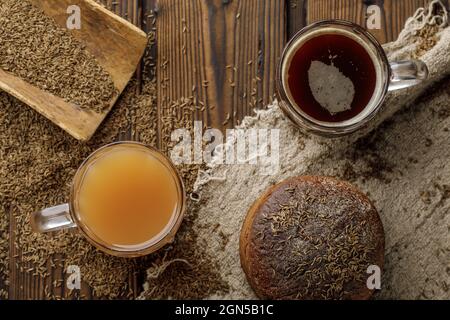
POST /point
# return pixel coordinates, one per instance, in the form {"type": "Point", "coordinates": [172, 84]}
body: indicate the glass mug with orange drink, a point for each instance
{"type": "Point", "coordinates": [127, 199]}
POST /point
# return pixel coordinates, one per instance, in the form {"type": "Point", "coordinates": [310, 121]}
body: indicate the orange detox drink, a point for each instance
{"type": "Point", "coordinates": [128, 197]}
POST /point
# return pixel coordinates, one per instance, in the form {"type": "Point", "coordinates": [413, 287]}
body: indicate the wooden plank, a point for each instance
{"type": "Point", "coordinates": [221, 54]}
{"type": "Point", "coordinates": [394, 13]}
{"type": "Point", "coordinates": [296, 15]}
{"type": "Point", "coordinates": [25, 285]}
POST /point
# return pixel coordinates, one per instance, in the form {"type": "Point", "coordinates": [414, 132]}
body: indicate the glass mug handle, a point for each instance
{"type": "Point", "coordinates": [405, 74]}
{"type": "Point", "coordinates": [52, 219]}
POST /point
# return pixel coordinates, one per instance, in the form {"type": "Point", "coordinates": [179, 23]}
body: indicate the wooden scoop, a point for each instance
{"type": "Point", "coordinates": [118, 47]}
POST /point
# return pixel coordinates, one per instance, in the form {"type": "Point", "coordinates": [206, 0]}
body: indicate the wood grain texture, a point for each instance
{"type": "Point", "coordinates": [394, 14]}
{"type": "Point", "coordinates": [117, 46]}
{"type": "Point", "coordinates": [296, 15]}
{"type": "Point", "coordinates": [221, 54]}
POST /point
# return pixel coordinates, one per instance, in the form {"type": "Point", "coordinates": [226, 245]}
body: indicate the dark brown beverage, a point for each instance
{"type": "Point", "coordinates": [352, 61]}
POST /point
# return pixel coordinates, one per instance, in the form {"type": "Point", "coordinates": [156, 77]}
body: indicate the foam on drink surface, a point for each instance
{"type": "Point", "coordinates": [330, 87]}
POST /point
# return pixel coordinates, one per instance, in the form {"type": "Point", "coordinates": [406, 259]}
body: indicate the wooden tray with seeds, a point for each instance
{"type": "Point", "coordinates": [116, 44]}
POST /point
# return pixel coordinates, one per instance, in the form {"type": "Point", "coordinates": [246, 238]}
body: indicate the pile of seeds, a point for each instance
{"type": "Point", "coordinates": [34, 48]}
{"type": "Point", "coordinates": [4, 254]}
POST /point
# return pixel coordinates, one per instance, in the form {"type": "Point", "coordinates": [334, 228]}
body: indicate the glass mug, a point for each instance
{"type": "Point", "coordinates": [390, 76]}
{"type": "Point", "coordinates": [71, 215]}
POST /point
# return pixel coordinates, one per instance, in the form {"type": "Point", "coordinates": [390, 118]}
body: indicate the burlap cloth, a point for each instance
{"type": "Point", "coordinates": [402, 165]}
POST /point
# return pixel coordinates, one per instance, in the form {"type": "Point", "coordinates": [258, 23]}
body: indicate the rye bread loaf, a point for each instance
{"type": "Point", "coordinates": [311, 238]}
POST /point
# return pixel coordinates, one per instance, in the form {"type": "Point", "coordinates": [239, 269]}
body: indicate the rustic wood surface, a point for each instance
{"type": "Point", "coordinates": [223, 54]}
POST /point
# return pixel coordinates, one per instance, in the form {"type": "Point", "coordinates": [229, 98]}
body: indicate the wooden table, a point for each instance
{"type": "Point", "coordinates": [224, 53]}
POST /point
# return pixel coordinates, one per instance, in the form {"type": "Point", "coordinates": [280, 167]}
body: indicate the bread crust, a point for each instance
{"type": "Point", "coordinates": [311, 237]}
